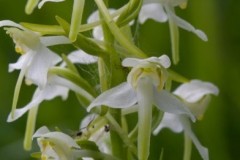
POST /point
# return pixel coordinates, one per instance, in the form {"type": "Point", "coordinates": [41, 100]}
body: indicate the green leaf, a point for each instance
{"type": "Point", "coordinates": [88, 145]}
{"type": "Point", "coordinates": [130, 12]}
{"type": "Point", "coordinates": [36, 155]}
{"type": "Point", "coordinates": [44, 29]}
{"type": "Point", "coordinates": [82, 42]}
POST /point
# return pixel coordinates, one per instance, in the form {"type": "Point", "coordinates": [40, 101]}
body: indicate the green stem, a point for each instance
{"type": "Point", "coordinates": [174, 33]}
{"type": "Point", "coordinates": [30, 128]}
{"type": "Point", "coordinates": [187, 147]}
{"type": "Point", "coordinates": [76, 20]}
{"type": "Point", "coordinates": [117, 33]}
{"type": "Point", "coordinates": [31, 4]}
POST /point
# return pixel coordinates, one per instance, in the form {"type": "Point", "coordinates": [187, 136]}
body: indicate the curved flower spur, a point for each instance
{"type": "Point", "coordinates": [144, 87]}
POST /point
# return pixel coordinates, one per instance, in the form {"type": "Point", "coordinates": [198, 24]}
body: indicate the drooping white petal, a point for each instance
{"type": "Point", "coordinates": [195, 90]}
{"type": "Point", "coordinates": [121, 96]}
{"type": "Point", "coordinates": [10, 23]}
{"type": "Point", "coordinates": [41, 62]}
{"type": "Point", "coordinates": [166, 102]}
{"type": "Point", "coordinates": [51, 91]}
{"type": "Point", "coordinates": [187, 26]}
{"type": "Point", "coordinates": [44, 1]}
{"type": "Point", "coordinates": [170, 121]}
{"type": "Point", "coordinates": [203, 151]}
{"type": "Point", "coordinates": [54, 40]}
{"type": "Point", "coordinates": [81, 57]}
{"type": "Point", "coordinates": [153, 11]}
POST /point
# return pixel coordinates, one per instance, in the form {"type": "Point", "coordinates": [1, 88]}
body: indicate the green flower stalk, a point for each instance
{"type": "Point", "coordinates": [78, 7]}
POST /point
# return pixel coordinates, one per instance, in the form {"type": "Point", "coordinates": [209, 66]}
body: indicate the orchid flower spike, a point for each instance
{"type": "Point", "coordinates": [55, 145]}
{"type": "Point", "coordinates": [196, 95]}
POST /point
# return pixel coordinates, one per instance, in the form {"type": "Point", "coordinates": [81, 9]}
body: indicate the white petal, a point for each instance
{"type": "Point", "coordinates": [86, 120]}
{"type": "Point", "coordinates": [203, 151]}
{"type": "Point", "coordinates": [81, 57]}
{"type": "Point", "coordinates": [41, 62]}
{"type": "Point", "coordinates": [131, 62]}
{"type": "Point", "coordinates": [44, 1]}
{"type": "Point", "coordinates": [166, 102]}
{"type": "Point", "coordinates": [57, 137]}
{"type": "Point", "coordinates": [49, 92]}
{"type": "Point", "coordinates": [41, 131]}
{"type": "Point", "coordinates": [10, 23]}
{"type": "Point", "coordinates": [22, 63]}
{"type": "Point", "coordinates": [170, 121]}
{"type": "Point", "coordinates": [152, 11]}
{"type": "Point", "coordinates": [121, 96]}
{"type": "Point", "coordinates": [195, 90]}
{"type": "Point", "coordinates": [54, 40]}
{"type": "Point", "coordinates": [187, 26]}
{"type": "Point", "coordinates": [162, 60]}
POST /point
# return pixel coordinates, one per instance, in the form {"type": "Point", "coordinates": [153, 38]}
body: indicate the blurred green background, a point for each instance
{"type": "Point", "coordinates": [217, 61]}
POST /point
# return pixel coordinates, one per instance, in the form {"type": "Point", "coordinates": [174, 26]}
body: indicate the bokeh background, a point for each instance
{"type": "Point", "coordinates": [217, 61]}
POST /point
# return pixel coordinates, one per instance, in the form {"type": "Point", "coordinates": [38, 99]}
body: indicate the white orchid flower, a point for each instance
{"type": "Point", "coordinates": [36, 58]}
{"type": "Point", "coordinates": [162, 10]}
{"type": "Point", "coordinates": [144, 86]}
{"type": "Point", "coordinates": [55, 145]}
{"type": "Point", "coordinates": [55, 87]}
{"type": "Point", "coordinates": [196, 95]}
{"type": "Point", "coordinates": [152, 70]}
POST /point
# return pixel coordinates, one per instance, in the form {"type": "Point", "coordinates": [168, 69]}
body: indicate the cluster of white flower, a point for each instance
{"type": "Point", "coordinates": [147, 85]}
